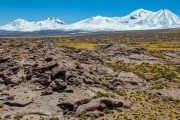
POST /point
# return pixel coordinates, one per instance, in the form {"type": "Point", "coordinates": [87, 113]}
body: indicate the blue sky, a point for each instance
{"type": "Point", "coordinates": [74, 10]}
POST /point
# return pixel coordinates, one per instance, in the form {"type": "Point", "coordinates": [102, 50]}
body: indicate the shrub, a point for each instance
{"type": "Point", "coordinates": [107, 111]}
{"type": "Point", "coordinates": [7, 116]}
{"type": "Point", "coordinates": [85, 101]}
{"type": "Point", "coordinates": [100, 94]}
{"type": "Point", "coordinates": [82, 117]}
{"type": "Point", "coordinates": [54, 118]}
{"type": "Point", "coordinates": [106, 85]}
{"type": "Point", "coordinates": [18, 117]}
{"type": "Point", "coordinates": [10, 98]}
{"type": "Point", "coordinates": [121, 92]}
{"type": "Point", "coordinates": [158, 86]}
{"type": "Point", "coordinates": [127, 106]}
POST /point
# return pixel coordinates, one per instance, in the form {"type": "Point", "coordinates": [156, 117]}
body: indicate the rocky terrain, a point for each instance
{"type": "Point", "coordinates": [106, 77]}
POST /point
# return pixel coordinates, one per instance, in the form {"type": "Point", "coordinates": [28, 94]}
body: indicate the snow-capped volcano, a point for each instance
{"type": "Point", "coordinates": [23, 25]}
{"type": "Point", "coordinates": [164, 18]}
{"type": "Point", "coordinates": [138, 20]}
{"type": "Point", "coordinates": [51, 22]}
{"type": "Point", "coordinates": [95, 23]}
{"type": "Point", "coordinates": [112, 23]}
{"type": "Point", "coordinates": [138, 14]}
{"type": "Point", "coordinates": [19, 25]}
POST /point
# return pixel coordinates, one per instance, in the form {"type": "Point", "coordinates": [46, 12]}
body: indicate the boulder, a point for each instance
{"type": "Point", "coordinates": [128, 80]}
{"type": "Point", "coordinates": [103, 70]}
{"type": "Point", "coordinates": [99, 104]}
{"type": "Point", "coordinates": [58, 73]}
{"type": "Point", "coordinates": [166, 93]}
{"type": "Point", "coordinates": [58, 84]}
{"type": "Point", "coordinates": [46, 66]}
{"type": "Point", "coordinates": [48, 91]}
{"type": "Point", "coordinates": [45, 80]}
{"type": "Point", "coordinates": [13, 80]}
{"type": "Point", "coordinates": [77, 98]}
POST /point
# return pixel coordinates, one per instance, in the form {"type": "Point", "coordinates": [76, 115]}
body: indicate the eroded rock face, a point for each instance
{"type": "Point", "coordinates": [76, 99]}
{"type": "Point", "coordinates": [166, 93]}
{"type": "Point", "coordinates": [13, 80]}
{"type": "Point", "coordinates": [49, 80]}
{"type": "Point", "coordinates": [58, 73]}
{"type": "Point", "coordinates": [58, 84]}
{"type": "Point", "coordinates": [95, 114]}
{"type": "Point", "coordinates": [100, 104]}
{"type": "Point", "coordinates": [128, 80]}
{"type": "Point", "coordinates": [104, 70]}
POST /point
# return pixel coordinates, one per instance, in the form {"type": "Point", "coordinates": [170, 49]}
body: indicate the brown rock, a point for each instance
{"type": "Point", "coordinates": [48, 91]}
{"type": "Point", "coordinates": [3, 59]}
{"type": "Point", "coordinates": [95, 114]}
{"type": "Point", "coordinates": [1, 105]}
{"type": "Point", "coordinates": [13, 80]}
{"type": "Point", "coordinates": [58, 84]}
{"type": "Point", "coordinates": [78, 97]}
{"type": "Point", "coordinates": [166, 93]}
{"type": "Point", "coordinates": [99, 104]}
{"type": "Point", "coordinates": [45, 80]}
{"type": "Point", "coordinates": [46, 66]}
{"type": "Point", "coordinates": [58, 73]}
{"type": "Point", "coordinates": [103, 70]}
{"type": "Point", "coordinates": [128, 80]}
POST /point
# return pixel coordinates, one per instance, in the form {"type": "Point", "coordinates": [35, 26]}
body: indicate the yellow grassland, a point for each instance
{"type": "Point", "coordinates": [159, 45]}
{"type": "Point", "coordinates": [77, 44]}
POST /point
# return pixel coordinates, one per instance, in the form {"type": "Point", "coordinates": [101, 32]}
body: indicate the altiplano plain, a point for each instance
{"type": "Point", "coordinates": [110, 76]}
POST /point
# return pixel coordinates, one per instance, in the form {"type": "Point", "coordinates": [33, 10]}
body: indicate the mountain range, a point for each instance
{"type": "Point", "coordinates": [138, 20]}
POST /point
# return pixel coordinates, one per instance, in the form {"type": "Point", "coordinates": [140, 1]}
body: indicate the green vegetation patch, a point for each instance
{"type": "Point", "coordinates": [168, 71]}
{"type": "Point", "coordinates": [81, 44]}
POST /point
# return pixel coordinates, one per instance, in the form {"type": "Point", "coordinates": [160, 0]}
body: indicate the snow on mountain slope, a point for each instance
{"type": "Point", "coordinates": [111, 23]}
{"type": "Point", "coordinates": [19, 25]}
{"type": "Point", "coordinates": [95, 23]}
{"type": "Point", "coordinates": [164, 18]}
{"type": "Point", "coordinates": [138, 20]}
{"type": "Point", "coordinates": [135, 18]}
{"type": "Point", "coordinates": [23, 25]}
{"type": "Point", "coordinates": [50, 23]}
{"type": "Point", "coordinates": [139, 14]}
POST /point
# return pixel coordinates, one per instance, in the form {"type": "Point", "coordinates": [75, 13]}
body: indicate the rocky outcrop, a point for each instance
{"type": "Point", "coordinates": [104, 70]}
{"type": "Point", "coordinates": [100, 104]}
{"type": "Point", "coordinates": [58, 84]}
{"type": "Point", "coordinates": [94, 114]}
{"type": "Point", "coordinates": [77, 98]}
{"type": "Point", "coordinates": [166, 93]}
{"type": "Point", "coordinates": [128, 80]}
{"type": "Point", "coordinates": [39, 77]}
